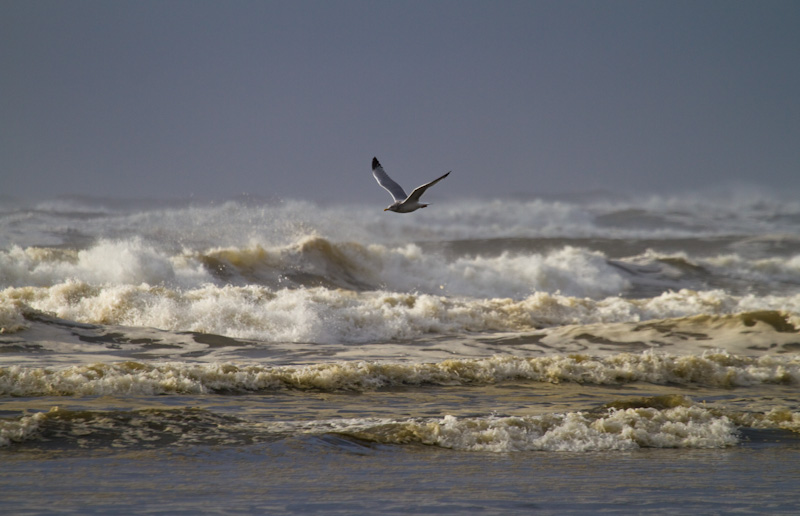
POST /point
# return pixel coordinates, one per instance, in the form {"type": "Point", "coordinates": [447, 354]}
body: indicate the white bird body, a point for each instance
{"type": "Point", "coordinates": [402, 203]}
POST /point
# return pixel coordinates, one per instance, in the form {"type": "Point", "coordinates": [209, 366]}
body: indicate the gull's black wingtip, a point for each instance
{"type": "Point", "coordinates": [375, 163]}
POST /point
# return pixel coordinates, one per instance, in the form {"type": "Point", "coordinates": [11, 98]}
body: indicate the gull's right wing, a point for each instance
{"type": "Point", "coordinates": [418, 191]}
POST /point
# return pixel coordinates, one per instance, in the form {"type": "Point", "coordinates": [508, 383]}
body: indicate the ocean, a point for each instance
{"type": "Point", "coordinates": [549, 355]}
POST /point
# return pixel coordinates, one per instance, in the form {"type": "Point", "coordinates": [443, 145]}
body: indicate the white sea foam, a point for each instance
{"type": "Point", "coordinates": [335, 315]}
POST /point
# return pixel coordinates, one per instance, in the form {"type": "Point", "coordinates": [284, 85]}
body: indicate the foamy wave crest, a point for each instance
{"type": "Point", "coordinates": [776, 418]}
{"type": "Point", "coordinates": [326, 315]}
{"type": "Point", "coordinates": [570, 271]}
{"type": "Point", "coordinates": [109, 262]}
{"type": "Point", "coordinates": [678, 427]}
{"type": "Point", "coordinates": [21, 429]}
{"type": "Point", "coordinates": [711, 369]}
{"type": "Point", "coordinates": [652, 271]}
{"type": "Point", "coordinates": [766, 270]}
{"type": "Point", "coordinates": [12, 317]}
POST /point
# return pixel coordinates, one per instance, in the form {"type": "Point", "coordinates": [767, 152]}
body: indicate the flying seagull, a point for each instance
{"type": "Point", "coordinates": [402, 203]}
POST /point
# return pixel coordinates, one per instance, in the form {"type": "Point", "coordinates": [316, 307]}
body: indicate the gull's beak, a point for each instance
{"type": "Point", "coordinates": [386, 209]}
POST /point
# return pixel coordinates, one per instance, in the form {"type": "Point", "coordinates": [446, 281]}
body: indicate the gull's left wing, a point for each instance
{"type": "Point", "coordinates": [398, 194]}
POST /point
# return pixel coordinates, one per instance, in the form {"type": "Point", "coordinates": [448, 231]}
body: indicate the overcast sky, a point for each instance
{"type": "Point", "coordinates": [292, 99]}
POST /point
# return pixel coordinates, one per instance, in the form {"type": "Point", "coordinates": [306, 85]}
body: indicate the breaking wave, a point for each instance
{"type": "Point", "coordinates": [314, 261]}
{"type": "Point", "coordinates": [680, 427]}
{"type": "Point", "coordinates": [325, 315]}
{"type": "Point", "coordinates": [678, 424]}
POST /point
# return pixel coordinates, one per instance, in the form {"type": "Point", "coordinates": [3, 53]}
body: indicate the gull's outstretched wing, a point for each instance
{"type": "Point", "coordinates": [418, 191]}
{"type": "Point", "coordinates": [398, 194]}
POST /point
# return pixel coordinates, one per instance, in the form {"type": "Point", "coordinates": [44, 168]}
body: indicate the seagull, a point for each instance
{"type": "Point", "coordinates": [402, 203]}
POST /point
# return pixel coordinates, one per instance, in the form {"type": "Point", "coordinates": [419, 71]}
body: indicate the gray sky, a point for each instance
{"type": "Point", "coordinates": [293, 99]}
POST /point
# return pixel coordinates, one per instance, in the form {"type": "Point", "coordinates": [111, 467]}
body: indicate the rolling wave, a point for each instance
{"type": "Point", "coordinates": [486, 269]}
{"type": "Point", "coordinates": [153, 378]}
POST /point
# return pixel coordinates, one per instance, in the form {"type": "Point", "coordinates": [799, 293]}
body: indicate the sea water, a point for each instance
{"type": "Point", "coordinates": [617, 354]}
